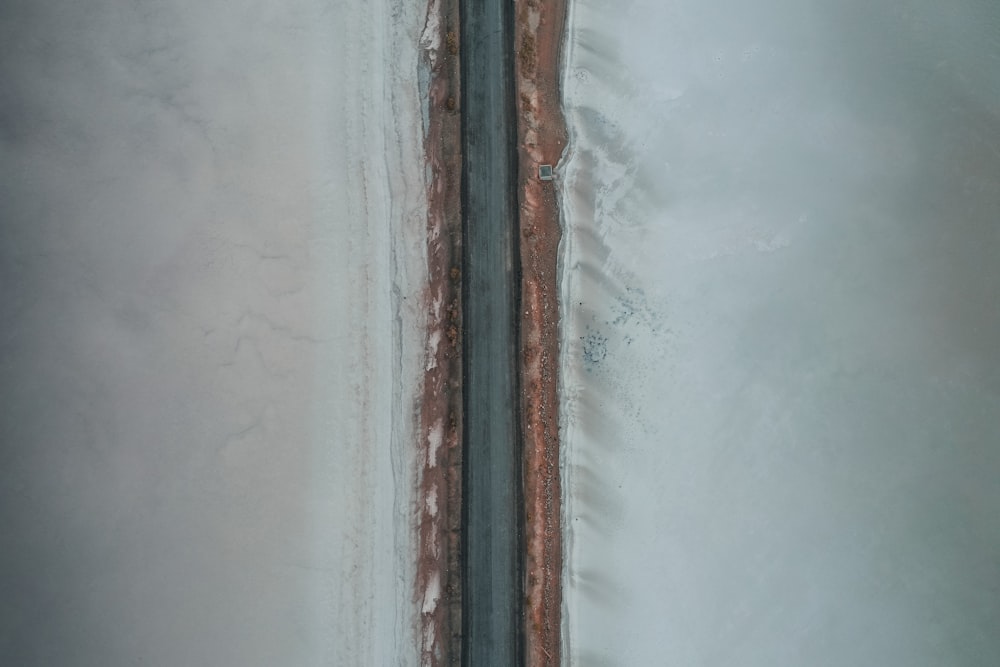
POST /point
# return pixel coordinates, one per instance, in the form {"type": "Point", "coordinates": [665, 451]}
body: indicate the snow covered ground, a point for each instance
{"type": "Point", "coordinates": [212, 225]}
{"type": "Point", "coordinates": [780, 365]}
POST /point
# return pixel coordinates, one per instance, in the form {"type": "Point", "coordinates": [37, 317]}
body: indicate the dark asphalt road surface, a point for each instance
{"type": "Point", "coordinates": [492, 587]}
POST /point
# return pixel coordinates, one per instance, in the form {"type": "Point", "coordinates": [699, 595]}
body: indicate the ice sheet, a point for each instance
{"type": "Point", "coordinates": [212, 252]}
{"type": "Point", "coordinates": [781, 417]}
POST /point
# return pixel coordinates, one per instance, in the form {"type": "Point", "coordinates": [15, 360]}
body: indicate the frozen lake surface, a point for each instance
{"type": "Point", "coordinates": [780, 365]}
{"type": "Point", "coordinates": [212, 223]}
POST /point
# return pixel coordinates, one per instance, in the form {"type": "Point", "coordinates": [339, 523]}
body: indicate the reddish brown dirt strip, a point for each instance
{"type": "Point", "coordinates": [438, 593]}
{"type": "Point", "coordinates": [541, 139]}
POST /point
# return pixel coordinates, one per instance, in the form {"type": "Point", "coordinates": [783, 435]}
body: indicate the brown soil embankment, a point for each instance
{"type": "Point", "coordinates": [539, 28]}
{"type": "Point", "coordinates": [439, 595]}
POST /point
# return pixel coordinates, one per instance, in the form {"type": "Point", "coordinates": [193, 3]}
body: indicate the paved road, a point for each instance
{"type": "Point", "coordinates": [493, 590]}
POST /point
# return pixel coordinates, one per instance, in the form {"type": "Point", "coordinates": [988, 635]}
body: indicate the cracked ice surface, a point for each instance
{"type": "Point", "coordinates": [780, 366]}
{"type": "Point", "coordinates": [211, 220]}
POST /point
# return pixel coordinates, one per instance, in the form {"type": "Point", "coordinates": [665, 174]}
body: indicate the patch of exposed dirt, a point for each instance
{"type": "Point", "coordinates": [439, 594]}
{"type": "Point", "coordinates": [539, 28]}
